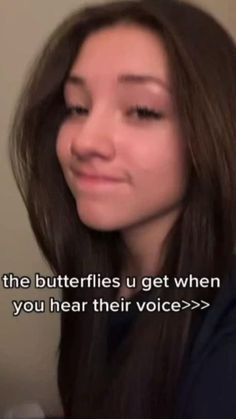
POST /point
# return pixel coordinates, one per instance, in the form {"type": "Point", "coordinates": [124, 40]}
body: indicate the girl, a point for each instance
{"type": "Point", "coordinates": [123, 147]}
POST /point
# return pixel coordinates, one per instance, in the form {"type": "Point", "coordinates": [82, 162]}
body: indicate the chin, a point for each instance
{"type": "Point", "coordinates": [96, 221]}
{"type": "Point", "coordinates": [98, 224]}
{"type": "Point", "coordinates": [99, 218]}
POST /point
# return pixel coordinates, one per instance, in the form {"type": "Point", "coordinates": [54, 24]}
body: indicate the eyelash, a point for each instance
{"type": "Point", "coordinates": [146, 112]}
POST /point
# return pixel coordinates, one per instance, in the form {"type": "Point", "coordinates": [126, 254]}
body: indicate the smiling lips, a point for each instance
{"type": "Point", "coordinates": [94, 176]}
{"type": "Point", "coordinates": [94, 180]}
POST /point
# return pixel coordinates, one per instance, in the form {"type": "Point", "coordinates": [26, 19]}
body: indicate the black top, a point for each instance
{"type": "Point", "coordinates": [209, 387]}
{"type": "Point", "coordinates": [121, 322]}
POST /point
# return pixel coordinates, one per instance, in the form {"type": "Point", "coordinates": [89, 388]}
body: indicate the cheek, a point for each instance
{"type": "Point", "coordinates": [160, 158]}
{"type": "Point", "coordinates": [160, 170]}
{"type": "Point", "coordinates": [172, 162]}
{"type": "Point", "coordinates": [62, 146]}
{"type": "Point", "coordinates": [63, 155]}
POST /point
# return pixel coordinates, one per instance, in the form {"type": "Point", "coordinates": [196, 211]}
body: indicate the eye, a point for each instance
{"type": "Point", "coordinates": [74, 110]}
{"type": "Point", "coordinates": [144, 112]}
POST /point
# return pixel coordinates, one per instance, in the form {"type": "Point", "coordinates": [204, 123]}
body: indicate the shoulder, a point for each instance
{"type": "Point", "coordinates": [209, 390]}
{"type": "Point", "coordinates": [212, 392]}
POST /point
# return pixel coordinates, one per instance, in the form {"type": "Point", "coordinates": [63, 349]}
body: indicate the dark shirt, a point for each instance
{"type": "Point", "coordinates": [208, 390]}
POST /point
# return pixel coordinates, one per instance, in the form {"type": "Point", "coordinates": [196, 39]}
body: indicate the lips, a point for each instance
{"type": "Point", "coordinates": [95, 176]}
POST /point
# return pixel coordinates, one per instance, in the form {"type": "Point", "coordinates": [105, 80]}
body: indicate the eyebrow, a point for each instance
{"type": "Point", "coordinates": [123, 79]}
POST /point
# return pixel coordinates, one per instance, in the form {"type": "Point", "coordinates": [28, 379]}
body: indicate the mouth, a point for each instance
{"type": "Point", "coordinates": [88, 181]}
{"type": "Point", "coordinates": [96, 178]}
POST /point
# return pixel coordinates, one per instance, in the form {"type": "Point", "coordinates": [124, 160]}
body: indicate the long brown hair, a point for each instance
{"type": "Point", "coordinates": [143, 377]}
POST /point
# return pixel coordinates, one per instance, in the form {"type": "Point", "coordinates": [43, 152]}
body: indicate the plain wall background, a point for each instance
{"type": "Point", "coordinates": [28, 343]}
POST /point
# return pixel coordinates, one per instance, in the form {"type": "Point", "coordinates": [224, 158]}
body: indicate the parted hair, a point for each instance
{"type": "Point", "coordinates": [143, 378]}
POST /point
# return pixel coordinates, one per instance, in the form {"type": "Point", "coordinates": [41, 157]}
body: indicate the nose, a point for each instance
{"type": "Point", "coordinates": [94, 136]}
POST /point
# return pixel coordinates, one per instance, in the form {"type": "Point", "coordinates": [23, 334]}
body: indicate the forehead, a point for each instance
{"type": "Point", "coordinates": [121, 49]}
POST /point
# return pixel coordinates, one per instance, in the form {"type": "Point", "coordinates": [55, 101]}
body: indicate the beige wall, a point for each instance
{"type": "Point", "coordinates": [28, 343]}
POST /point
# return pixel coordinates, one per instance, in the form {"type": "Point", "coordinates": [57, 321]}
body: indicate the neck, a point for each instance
{"type": "Point", "coordinates": [146, 244]}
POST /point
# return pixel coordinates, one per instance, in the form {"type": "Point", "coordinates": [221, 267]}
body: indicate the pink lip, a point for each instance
{"type": "Point", "coordinates": [96, 178]}
{"type": "Point", "coordinates": [94, 181]}
{"type": "Point", "coordinates": [99, 177]}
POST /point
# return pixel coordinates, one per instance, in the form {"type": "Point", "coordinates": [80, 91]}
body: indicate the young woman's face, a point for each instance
{"type": "Point", "coordinates": [108, 134]}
